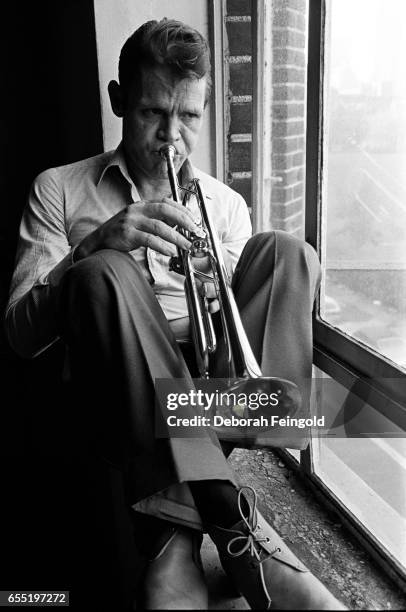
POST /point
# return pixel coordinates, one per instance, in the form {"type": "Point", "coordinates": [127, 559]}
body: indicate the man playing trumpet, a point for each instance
{"type": "Point", "coordinates": [101, 233]}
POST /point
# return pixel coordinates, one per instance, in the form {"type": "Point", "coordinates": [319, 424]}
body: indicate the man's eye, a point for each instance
{"type": "Point", "coordinates": [151, 112]}
{"type": "Point", "coordinates": [190, 116]}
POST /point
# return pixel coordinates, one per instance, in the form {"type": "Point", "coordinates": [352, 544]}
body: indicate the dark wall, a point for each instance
{"type": "Point", "coordinates": [50, 115]}
{"type": "Point", "coordinates": [50, 111]}
{"type": "Point", "coordinates": [55, 510]}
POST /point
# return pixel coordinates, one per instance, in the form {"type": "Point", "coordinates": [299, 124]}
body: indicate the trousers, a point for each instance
{"type": "Point", "coordinates": [119, 341]}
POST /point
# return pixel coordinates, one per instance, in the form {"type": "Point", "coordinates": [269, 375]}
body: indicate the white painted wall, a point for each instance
{"type": "Point", "coordinates": [115, 21]}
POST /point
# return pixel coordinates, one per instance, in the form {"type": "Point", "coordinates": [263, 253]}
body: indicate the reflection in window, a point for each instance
{"type": "Point", "coordinates": [364, 207]}
{"type": "Point", "coordinates": [367, 474]}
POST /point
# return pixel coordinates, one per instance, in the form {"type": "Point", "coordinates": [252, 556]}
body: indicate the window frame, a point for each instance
{"type": "Point", "coordinates": [357, 367]}
{"type": "Point", "coordinates": [374, 369]}
{"type": "Point", "coordinates": [261, 116]}
{"type": "Point", "coordinates": [346, 360]}
{"type": "Point", "coordinates": [216, 11]}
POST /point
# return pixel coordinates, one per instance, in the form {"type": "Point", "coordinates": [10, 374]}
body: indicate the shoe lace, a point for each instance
{"type": "Point", "coordinates": [251, 538]}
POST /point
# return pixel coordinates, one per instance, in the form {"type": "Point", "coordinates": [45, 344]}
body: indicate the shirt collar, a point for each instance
{"type": "Point", "coordinates": [188, 172]}
{"type": "Point", "coordinates": [117, 159]}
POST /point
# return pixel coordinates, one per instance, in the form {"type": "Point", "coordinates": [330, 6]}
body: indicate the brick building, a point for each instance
{"type": "Point", "coordinates": [288, 96]}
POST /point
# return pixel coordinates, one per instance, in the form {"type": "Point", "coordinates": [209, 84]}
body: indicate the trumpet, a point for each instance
{"type": "Point", "coordinates": [244, 373]}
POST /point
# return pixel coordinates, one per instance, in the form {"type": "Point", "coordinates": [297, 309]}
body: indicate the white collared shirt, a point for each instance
{"type": "Point", "coordinates": [65, 205]}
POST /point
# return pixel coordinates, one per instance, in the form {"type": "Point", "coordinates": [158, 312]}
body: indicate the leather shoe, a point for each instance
{"type": "Point", "coordinates": [174, 578]}
{"type": "Point", "coordinates": [263, 568]}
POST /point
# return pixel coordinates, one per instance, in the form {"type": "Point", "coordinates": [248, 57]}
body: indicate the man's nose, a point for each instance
{"type": "Point", "coordinates": [169, 129]}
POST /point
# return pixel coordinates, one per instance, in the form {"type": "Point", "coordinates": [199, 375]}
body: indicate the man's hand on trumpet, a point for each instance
{"type": "Point", "coordinates": [142, 224]}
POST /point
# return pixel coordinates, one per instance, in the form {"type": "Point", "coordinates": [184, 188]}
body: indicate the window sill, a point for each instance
{"type": "Point", "coordinates": [314, 534]}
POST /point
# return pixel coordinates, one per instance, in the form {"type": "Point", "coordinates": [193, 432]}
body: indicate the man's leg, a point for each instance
{"type": "Point", "coordinates": [119, 341]}
{"type": "Point", "coordinates": [115, 328]}
{"type": "Point", "coordinates": [274, 284]}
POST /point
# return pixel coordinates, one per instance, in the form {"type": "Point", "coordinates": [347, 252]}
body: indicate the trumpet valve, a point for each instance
{"type": "Point", "coordinates": [176, 265]}
{"type": "Point", "coordinates": [200, 247]}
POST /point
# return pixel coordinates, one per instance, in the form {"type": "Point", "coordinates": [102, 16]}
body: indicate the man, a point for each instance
{"type": "Point", "coordinates": [93, 268]}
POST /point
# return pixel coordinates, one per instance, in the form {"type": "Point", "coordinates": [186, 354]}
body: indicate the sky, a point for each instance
{"type": "Point", "coordinates": [368, 43]}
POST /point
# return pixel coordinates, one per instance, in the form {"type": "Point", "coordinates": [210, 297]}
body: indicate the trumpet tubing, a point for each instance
{"type": "Point", "coordinates": [240, 358]}
{"type": "Point", "coordinates": [244, 373]}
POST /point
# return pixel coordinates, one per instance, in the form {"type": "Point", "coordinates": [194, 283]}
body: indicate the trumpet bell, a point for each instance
{"type": "Point", "coordinates": [254, 398]}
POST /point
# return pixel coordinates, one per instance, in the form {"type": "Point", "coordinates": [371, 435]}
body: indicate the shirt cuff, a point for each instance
{"type": "Point", "coordinates": [72, 254]}
{"type": "Point", "coordinates": [54, 277]}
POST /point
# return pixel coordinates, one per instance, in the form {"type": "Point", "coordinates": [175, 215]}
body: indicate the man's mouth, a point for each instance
{"type": "Point", "coordinates": [158, 152]}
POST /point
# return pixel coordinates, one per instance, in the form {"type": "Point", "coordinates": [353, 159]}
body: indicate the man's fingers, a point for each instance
{"type": "Point", "coordinates": [209, 290]}
{"type": "Point", "coordinates": [174, 204]}
{"type": "Point", "coordinates": [162, 230]}
{"type": "Point", "coordinates": [214, 306]}
{"type": "Point", "coordinates": [156, 243]}
{"type": "Point", "coordinates": [206, 288]}
{"type": "Point", "coordinates": [173, 214]}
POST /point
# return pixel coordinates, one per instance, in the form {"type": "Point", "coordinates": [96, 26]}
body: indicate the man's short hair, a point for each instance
{"type": "Point", "coordinates": [167, 43]}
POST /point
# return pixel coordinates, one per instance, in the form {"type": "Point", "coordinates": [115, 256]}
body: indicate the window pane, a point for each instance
{"type": "Point", "coordinates": [295, 454]}
{"type": "Point", "coordinates": [364, 182]}
{"type": "Point", "coordinates": [367, 474]}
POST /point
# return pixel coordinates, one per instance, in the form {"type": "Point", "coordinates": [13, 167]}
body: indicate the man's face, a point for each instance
{"type": "Point", "coordinates": [169, 111]}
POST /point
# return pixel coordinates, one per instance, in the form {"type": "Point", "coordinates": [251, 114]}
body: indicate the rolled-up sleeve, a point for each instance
{"type": "Point", "coordinates": [43, 255]}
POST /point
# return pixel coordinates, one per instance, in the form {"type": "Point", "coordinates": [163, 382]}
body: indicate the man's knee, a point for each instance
{"type": "Point", "coordinates": [94, 273]}
{"type": "Point", "coordinates": [283, 244]}
{"type": "Point", "coordinates": [297, 248]}
{"type": "Point", "coordinates": [269, 251]}
{"type": "Point", "coordinates": [262, 240]}
{"type": "Point", "coordinates": [299, 257]}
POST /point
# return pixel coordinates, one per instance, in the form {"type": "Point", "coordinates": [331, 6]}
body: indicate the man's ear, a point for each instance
{"type": "Point", "coordinates": [116, 98]}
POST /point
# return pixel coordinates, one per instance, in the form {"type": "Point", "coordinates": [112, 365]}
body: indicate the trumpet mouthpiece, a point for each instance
{"type": "Point", "coordinates": [168, 151]}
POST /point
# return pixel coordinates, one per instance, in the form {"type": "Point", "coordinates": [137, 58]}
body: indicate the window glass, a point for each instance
{"type": "Point", "coordinates": [367, 474]}
{"type": "Point", "coordinates": [364, 174]}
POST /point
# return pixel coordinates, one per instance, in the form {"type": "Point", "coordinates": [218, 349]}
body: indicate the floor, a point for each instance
{"type": "Point", "coordinates": [316, 536]}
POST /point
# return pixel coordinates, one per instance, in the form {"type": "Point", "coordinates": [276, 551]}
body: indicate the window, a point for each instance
{"type": "Point", "coordinates": [315, 109]}
{"type": "Point", "coordinates": [363, 240]}
{"type": "Point", "coordinates": [355, 217]}
{"type": "Point", "coordinates": [366, 473]}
